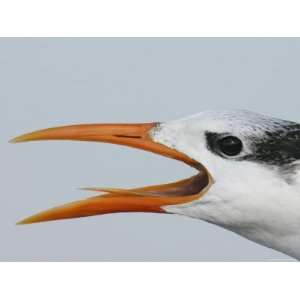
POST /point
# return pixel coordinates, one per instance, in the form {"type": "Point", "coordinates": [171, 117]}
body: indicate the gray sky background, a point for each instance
{"type": "Point", "coordinates": [49, 82]}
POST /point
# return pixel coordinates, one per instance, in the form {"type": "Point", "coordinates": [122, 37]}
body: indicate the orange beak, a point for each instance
{"type": "Point", "coordinates": [146, 199]}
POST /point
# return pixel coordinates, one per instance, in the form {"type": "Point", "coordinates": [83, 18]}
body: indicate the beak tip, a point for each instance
{"type": "Point", "coordinates": [18, 139]}
{"type": "Point", "coordinates": [27, 221]}
{"type": "Point", "coordinates": [21, 223]}
{"type": "Point", "coordinates": [13, 141]}
{"type": "Point", "coordinates": [24, 138]}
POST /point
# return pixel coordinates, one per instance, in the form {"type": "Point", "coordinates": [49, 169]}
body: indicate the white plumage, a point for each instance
{"type": "Point", "coordinates": [258, 200]}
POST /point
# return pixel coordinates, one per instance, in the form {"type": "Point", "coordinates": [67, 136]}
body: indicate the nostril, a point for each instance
{"type": "Point", "coordinates": [127, 136]}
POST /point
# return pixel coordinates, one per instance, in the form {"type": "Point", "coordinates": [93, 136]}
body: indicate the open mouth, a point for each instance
{"type": "Point", "coordinates": [145, 199]}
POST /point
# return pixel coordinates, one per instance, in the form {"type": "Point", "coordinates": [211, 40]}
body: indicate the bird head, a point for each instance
{"type": "Point", "coordinates": [253, 165]}
{"type": "Point", "coordinates": [246, 169]}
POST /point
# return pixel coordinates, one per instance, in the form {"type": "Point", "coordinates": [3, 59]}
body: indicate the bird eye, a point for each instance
{"type": "Point", "coordinates": [230, 145]}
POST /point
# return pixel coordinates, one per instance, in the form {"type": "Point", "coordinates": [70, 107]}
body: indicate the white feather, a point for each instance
{"type": "Point", "coordinates": [250, 198]}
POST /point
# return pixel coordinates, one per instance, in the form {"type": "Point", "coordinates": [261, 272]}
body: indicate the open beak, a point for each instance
{"type": "Point", "coordinates": [146, 199]}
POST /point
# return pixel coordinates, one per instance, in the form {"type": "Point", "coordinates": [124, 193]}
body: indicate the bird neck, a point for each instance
{"type": "Point", "coordinates": [270, 216]}
{"type": "Point", "coordinates": [288, 244]}
{"type": "Point", "coordinates": [266, 211]}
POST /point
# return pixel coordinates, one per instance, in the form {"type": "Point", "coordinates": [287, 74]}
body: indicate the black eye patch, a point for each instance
{"type": "Point", "coordinates": [279, 146]}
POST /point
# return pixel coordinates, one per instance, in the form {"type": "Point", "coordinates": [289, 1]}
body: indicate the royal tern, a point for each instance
{"type": "Point", "coordinates": [247, 181]}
